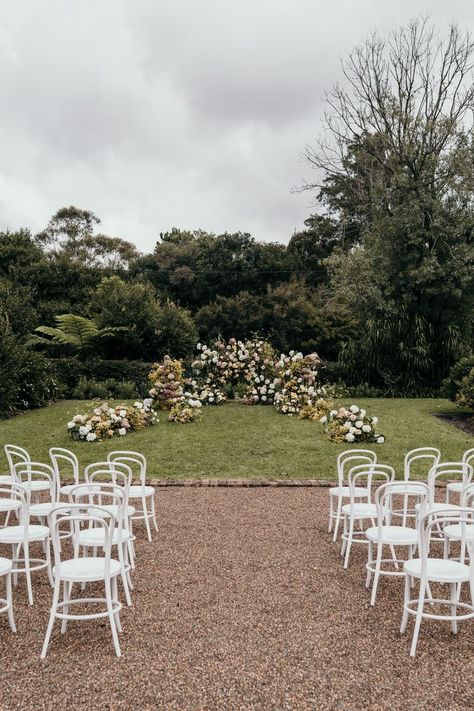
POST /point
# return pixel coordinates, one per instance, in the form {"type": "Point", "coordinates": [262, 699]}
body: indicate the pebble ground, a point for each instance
{"type": "Point", "coordinates": [240, 602]}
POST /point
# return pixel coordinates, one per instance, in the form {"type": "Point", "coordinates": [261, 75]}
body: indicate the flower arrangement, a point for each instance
{"type": "Point", "coordinates": [245, 367]}
{"type": "Point", "coordinates": [183, 413]}
{"type": "Point", "coordinates": [351, 424]}
{"type": "Point", "coordinates": [316, 411]}
{"type": "Point", "coordinates": [105, 422]}
{"type": "Point", "coordinates": [295, 382]}
{"type": "Point", "coordinates": [167, 379]}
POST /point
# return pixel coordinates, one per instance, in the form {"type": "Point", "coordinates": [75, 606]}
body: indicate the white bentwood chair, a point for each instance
{"type": "Point", "coordinates": [140, 491]}
{"type": "Point", "coordinates": [427, 569]}
{"type": "Point", "coordinates": [386, 534]}
{"type": "Point", "coordinates": [455, 487]}
{"type": "Point", "coordinates": [83, 570]}
{"type": "Point", "coordinates": [63, 458]}
{"type": "Point", "coordinates": [428, 457]}
{"type": "Point", "coordinates": [24, 534]}
{"type": "Point", "coordinates": [366, 476]}
{"type": "Point", "coordinates": [347, 459]}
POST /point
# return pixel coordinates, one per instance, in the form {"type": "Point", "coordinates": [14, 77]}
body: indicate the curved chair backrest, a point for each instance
{"type": "Point", "coordinates": [366, 476]}
{"type": "Point", "coordinates": [467, 497]}
{"type": "Point", "coordinates": [130, 458]}
{"type": "Point", "coordinates": [110, 471]}
{"type": "Point", "coordinates": [60, 457]}
{"type": "Point", "coordinates": [468, 456]}
{"type": "Point", "coordinates": [385, 493]}
{"type": "Point", "coordinates": [15, 455]}
{"type": "Point", "coordinates": [430, 520]}
{"type": "Point", "coordinates": [26, 473]}
{"type": "Point", "coordinates": [450, 470]}
{"type": "Point", "coordinates": [348, 459]}
{"type": "Point", "coordinates": [432, 455]}
{"type": "Point", "coordinates": [15, 490]}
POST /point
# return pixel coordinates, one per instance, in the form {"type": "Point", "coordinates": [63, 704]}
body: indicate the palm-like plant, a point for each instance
{"type": "Point", "coordinates": [80, 333]}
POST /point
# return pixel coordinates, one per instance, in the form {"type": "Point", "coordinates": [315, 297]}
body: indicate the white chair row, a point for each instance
{"type": "Point", "coordinates": [372, 490]}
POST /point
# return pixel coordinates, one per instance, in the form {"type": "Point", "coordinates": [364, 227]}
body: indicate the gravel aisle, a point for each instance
{"type": "Point", "coordinates": [241, 603]}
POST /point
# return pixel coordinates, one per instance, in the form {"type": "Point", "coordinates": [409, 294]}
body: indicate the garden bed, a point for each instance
{"type": "Point", "coordinates": [462, 420]}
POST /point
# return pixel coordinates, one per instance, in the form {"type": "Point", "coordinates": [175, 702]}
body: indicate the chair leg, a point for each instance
{"type": "Point", "coordinates": [406, 599]}
{"type": "Point", "coordinates": [118, 624]}
{"type": "Point", "coordinates": [344, 536]}
{"type": "Point", "coordinates": [123, 574]}
{"type": "Point", "coordinates": [419, 615]}
{"type": "Point", "coordinates": [153, 512]}
{"type": "Point", "coordinates": [349, 543]}
{"type": "Point", "coordinates": [9, 597]}
{"type": "Point", "coordinates": [26, 552]}
{"type": "Point", "coordinates": [369, 563]}
{"type": "Point", "coordinates": [454, 600]}
{"type": "Point", "coordinates": [48, 564]}
{"type": "Point", "coordinates": [110, 609]}
{"type": "Point", "coordinates": [52, 617]}
{"type": "Point", "coordinates": [378, 565]}
{"type": "Point", "coordinates": [338, 518]}
{"type": "Point", "coordinates": [66, 595]}
{"type": "Point", "coordinates": [145, 515]}
{"type": "Point", "coordinates": [331, 512]}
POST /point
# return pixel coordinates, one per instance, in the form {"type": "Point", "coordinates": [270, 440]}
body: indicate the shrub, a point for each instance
{"type": "Point", "coordinates": [90, 389]}
{"type": "Point", "coordinates": [26, 380]}
{"type": "Point", "coordinates": [69, 371]}
{"type": "Point", "coordinates": [458, 379]}
{"type": "Point", "coordinates": [465, 396]}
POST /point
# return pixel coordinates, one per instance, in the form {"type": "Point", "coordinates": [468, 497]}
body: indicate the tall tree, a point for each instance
{"type": "Point", "coordinates": [396, 161]}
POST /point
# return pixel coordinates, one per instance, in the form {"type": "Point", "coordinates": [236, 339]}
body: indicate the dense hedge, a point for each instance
{"type": "Point", "coordinates": [459, 385]}
{"type": "Point", "coordinates": [69, 371]}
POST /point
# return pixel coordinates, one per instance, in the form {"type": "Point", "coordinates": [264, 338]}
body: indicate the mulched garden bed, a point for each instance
{"type": "Point", "coordinates": [462, 420]}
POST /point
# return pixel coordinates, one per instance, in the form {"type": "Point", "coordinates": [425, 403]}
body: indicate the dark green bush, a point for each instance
{"type": "Point", "coordinates": [90, 389]}
{"type": "Point", "coordinates": [69, 372]}
{"type": "Point", "coordinates": [453, 383]}
{"type": "Point", "coordinates": [26, 378]}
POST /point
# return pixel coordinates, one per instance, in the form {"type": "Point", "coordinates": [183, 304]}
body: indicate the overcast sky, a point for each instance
{"type": "Point", "coordinates": [157, 114]}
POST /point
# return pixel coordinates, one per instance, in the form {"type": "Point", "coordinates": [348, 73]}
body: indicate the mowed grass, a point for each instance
{"type": "Point", "coordinates": [237, 441]}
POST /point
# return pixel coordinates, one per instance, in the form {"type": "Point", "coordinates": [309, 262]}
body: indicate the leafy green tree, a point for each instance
{"type": "Point", "coordinates": [398, 165]}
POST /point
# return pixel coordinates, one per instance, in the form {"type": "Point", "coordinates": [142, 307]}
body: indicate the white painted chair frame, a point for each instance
{"type": "Point", "coordinates": [386, 534]}
{"type": "Point", "coordinates": [77, 514]}
{"type": "Point", "coordinates": [60, 456]}
{"type": "Point", "coordinates": [437, 570]}
{"type": "Point", "coordinates": [349, 457]}
{"type": "Point", "coordinates": [6, 603]}
{"type": "Point", "coordinates": [142, 491]}
{"type": "Point", "coordinates": [433, 456]}
{"type": "Point", "coordinates": [365, 476]}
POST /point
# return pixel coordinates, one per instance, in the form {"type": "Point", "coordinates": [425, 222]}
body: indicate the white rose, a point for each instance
{"type": "Point", "coordinates": [84, 430]}
{"type": "Point", "coordinates": [333, 413]}
{"type": "Point", "coordinates": [122, 431]}
{"type": "Point", "coordinates": [375, 420]}
{"type": "Point", "coordinates": [138, 405]}
{"type": "Point", "coordinates": [199, 346]}
{"type": "Point", "coordinates": [366, 428]}
{"type": "Point", "coordinates": [363, 413]}
{"type": "Point", "coordinates": [323, 419]}
{"type": "Point", "coordinates": [359, 424]}
{"type": "Point", "coordinates": [380, 440]}
{"type": "Point", "coordinates": [264, 397]}
{"type": "Point", "coordinates": [122, 413]}
{"type": "Point", "coordinates": [71, 424]}
{"type": "Point", "coordinates": [91, 437]}
{"type": "Point", "coordinates": [350, 437]}
{"type": "Point", "coordinates": [354, 409]}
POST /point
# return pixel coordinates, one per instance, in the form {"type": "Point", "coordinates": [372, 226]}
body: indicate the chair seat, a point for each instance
{"type": "Point", "coordinates": [10, 504]}
{"type": "Point", "coordinates": [114, 509]}
{"type": "Point", "coordinates": [96, 536]}
{"type": "Point", "coordinates": [6, 478]}
{"type": "Point", "coordinates": [86, 569]}
{"type": "Point", "coordinates": [16, 534]}
{"type": "Point", "coordinates": [5, 566]}
{"type": "Point", "coordinates": [42, 509]}
{"type": "Point", "coordinates": [455, 531]}
{"type": "Point", "coordinates": [359, 491]}
{"type": "Point", "coordinates": [439, 507]}
{"type": "Point", "coordinates": [136, 492]}
{"type": "Point", "coordinates": [360, 510]}
{"type": "Point", "coordinates": [413, 489]}
{"type": "Point", "coordinates": [40, 485]}
{"type": "Point", "coordinates": [456, 486]}
{"type": "Point", "coordinates": [439, 570]}
{"type": "Point", "coordinates": [67, 488]}
{"type": "Point", "coordinates": [395, 535]}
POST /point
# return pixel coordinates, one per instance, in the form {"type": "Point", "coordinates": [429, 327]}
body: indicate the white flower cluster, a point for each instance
{"type": "Point", "coordinates": [352, 425]}
{"type": "Point", "coordinates": [296, 382]}
{"type": "Point", "coordinates": [104, 422]}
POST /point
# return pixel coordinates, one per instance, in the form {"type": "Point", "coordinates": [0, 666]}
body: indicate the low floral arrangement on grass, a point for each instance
{"type": "Point", "coordinates": [105, 422]}
{"type": "Point", "coordinates": [351, 425]}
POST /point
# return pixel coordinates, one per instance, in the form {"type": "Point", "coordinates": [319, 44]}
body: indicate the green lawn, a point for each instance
{"type": "Point", "coordinates": [237, 441]}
